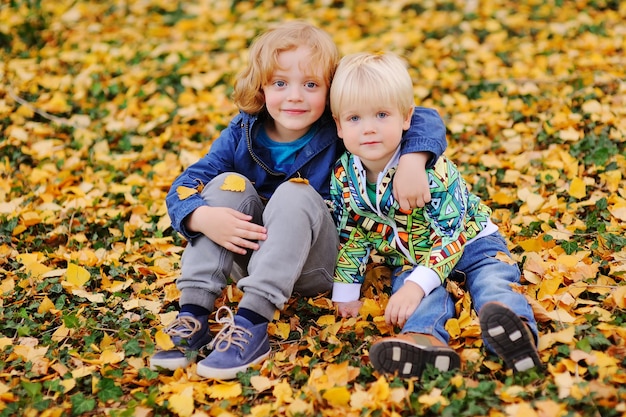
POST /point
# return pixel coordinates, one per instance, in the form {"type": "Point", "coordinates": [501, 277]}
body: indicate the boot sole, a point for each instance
{"type": "Point", "coordinates": [408, 360]}
{"type": "Point", "coordinates": [509, 337]}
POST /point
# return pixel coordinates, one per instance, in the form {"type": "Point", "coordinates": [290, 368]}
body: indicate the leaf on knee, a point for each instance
{"type": "Point", "coordinates": [299, 180]}
{"type": "Point", "coordinates": [233, 183]}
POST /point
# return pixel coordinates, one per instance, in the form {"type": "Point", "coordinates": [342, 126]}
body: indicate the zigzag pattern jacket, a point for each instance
{"type": "Point", "coordinates": [433, 237]}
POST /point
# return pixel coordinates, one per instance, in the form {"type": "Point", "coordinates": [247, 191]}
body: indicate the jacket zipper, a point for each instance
{"type": "Point", "coordinates": [246, 127]}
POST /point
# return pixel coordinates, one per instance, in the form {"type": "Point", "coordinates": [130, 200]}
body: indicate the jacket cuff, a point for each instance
{"type": "Point", "coordinates": [343, 293]}
{"type": "Point", "coordinates": [425, 278]}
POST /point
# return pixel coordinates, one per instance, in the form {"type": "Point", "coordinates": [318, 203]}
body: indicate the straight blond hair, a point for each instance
{"type": "Point", "coordinates": [371, 78]}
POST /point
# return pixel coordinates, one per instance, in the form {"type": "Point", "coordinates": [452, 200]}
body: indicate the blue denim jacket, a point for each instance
{"type": "Point", "coordinates": [236, 150]}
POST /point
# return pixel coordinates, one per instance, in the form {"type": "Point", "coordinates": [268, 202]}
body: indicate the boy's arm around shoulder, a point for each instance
{"type": "Point", "coordinates": [219, 159]}
{"type": "Point", "coordinates": [447, 221]}
{"type": "Point", "coordinates": [426, 134]}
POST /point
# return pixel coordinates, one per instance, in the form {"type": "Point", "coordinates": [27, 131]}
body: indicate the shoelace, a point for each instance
{"type": "Point", "coordinates": [230, 334]}
{"type": "Point", "coordinates": [183, 327]}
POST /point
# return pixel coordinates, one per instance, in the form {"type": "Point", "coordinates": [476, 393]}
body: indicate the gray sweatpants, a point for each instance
{"type": "Point", "coordinates": [298, 256]}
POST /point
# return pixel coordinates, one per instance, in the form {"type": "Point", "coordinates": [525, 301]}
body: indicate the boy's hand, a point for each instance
{"type": "Point", "coordinates": [403, 303]}
{"type": "Point", "coordinates": [349, 308]}
{"type": "Point", "coordinates": [227, 227]}
{"type": "Point", "coordinates": [410, 182]}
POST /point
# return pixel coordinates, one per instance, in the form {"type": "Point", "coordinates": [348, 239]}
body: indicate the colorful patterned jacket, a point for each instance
{"type": "Point", "coordinates": [430, 238]}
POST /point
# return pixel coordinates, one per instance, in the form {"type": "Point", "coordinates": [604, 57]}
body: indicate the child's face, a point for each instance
{"type": "Point", "coordinates": [372, 132]}
{"type": "Point", "coordinates": [295, 96]}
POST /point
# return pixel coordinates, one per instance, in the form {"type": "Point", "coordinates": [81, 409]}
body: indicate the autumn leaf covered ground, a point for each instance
{"type": "Point", "coordinates": [103, 103]}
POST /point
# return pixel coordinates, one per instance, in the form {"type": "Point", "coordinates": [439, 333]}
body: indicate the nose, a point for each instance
{"type": "Point", "coordinates": [294, 93]}
{"type": "Point", "coordinates": [368, 125]}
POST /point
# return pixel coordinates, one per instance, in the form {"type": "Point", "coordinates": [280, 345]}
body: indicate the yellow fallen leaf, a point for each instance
{"type": "Point", "coordinates": [564, 382]}
{"type": "Point", "coordinates": [110, 356]}
{"type": "Point", "coordinates": [570, 134]}
{"type": "Point", "coordinates": [618, 210]}
{"type": "Point", "coordinates": [577, 188]}
{"type": "Point", "coordinates": [185, 192]}
{"type": "Point", "coordinates": [531, 245]}
{"type": "Point", "coordinates": [233, 183]}
{"type": "Point", "coordinates": [619, 297]}
{"type": "Point", "coordinates": [7, 285]}
{"type": "Point", "coordinates": [279, 329]}
{"type": "Point", "coordinates": [503, 199]}
{"type": "Point", "coordinates": [300, 407]}
{"type": "Point", "coordinates": [68, 384]}
{"type": "Point", "coordinates": [453, 328]}
{"type": "Point", "coordinates": [163, 340]}
{"type": "Point", "coordinates": [283, 393]}
{"type": "Point", "coordinates": [96, 298]}
{"type": "Point", "coordinates": [341, 373]}
{"type": "Point", "coordinates": [182, 404]}
{"type": "Point", "coordinates": [57, 104]}
{"type": "Point", "coordinates": [225, 390]}
{"type": "Point", "coordinates": [45, 306]}
{"type": "Point", "coordinates": [261, 383]}
{"type": "Point", "coordinates": [326, 320]}
{"type": "Point", "coordinates": [432, 398]}
{"type": "Point", "coordinates": [77, 275]}
{"type": "Point", "coordinates": [261, 410]}
{"type": "Point", "coordinates": [549, 408]}
{"type": "Point", "coordinates": [565, 336]}
{"type": "Point", "coordinates": [337, 396]}
{"type": "Point", "coordinates": [501, 256]}
{"type": "Point", "coordinates": [380, 390]}
{"type": "Point", "coordinates": [371, 308]}
{"type": "Point", "coordinates": [299, 180]}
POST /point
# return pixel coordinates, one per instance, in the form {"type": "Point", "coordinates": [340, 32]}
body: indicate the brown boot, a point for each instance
{"type": "Point", "coordinates": [509, 336]}
{"type": "Point", "coordinates": [407, 354]}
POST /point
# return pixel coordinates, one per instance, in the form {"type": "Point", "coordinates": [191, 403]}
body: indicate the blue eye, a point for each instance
{"type": "Point", "coordinates": [354, 118]}
{"type": "Point", "coordinates": [280, 83]}
{"type": "Point", "coordinates": [382, 115]}
{"type": "Point", "coordinates": [310, 84]}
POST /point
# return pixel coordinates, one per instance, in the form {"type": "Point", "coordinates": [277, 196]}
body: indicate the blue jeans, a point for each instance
{"type": "Point", "coordinates": [431, 315]}
{"type": "Point", "coordinates": [487, 279]}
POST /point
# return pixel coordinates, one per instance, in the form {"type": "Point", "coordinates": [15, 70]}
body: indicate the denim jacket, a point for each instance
{"type": "Point", "coordinates": [236, 150]}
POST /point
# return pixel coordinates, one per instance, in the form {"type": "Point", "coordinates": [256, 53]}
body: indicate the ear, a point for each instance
{"type": "Point", "coordinates": [406, 124]}
{"type": "Point", "coordinates": [338, 124]}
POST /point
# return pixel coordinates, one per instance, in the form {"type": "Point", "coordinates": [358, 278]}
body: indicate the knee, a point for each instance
{"type": "Point", "coordinates": [294, 196]}
{"type": "Point", "coordinates": [228, 189]}
{"type": "Point", "coordinates": [229, 181]}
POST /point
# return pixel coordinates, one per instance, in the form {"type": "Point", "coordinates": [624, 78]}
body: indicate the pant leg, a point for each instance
{"type": "Point", "coordinates": [299, 254]}
{"type": "Point", "coordinates": [431, 315]}
{"type": "Point", "coordinates": [205, 264]}
{"type": "Point", "coordinates": [490, 279]}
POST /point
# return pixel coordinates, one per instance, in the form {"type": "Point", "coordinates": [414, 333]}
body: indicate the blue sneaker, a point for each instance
{"type": "Point", "coordinates": [189, 334]}
{"type": "Point", "coordinates": [237, 347]}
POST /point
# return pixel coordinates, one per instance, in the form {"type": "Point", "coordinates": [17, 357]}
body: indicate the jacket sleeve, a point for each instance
{"type": "Point", "coordinates": [219, 159]}
{"type": "Point", "coordinates": [426, 134]}
{"type": "Point", "coordinates": [446, 215]}
{"type": "Point", "coordinates": [354, 250]}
